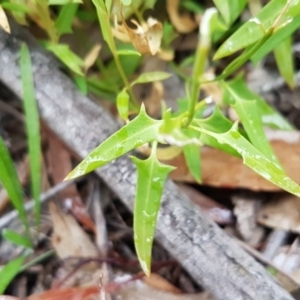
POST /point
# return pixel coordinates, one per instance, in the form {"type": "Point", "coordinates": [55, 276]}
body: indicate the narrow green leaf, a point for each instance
{"type": "Point", "coordinates": [192, 155]}
{"type": "Point", "coordinates": [63, 2]}
{"type": "Point", "coordinates": [123, 104]}
{"type": "Point", "coordinates": [252, 121]}
{"type": "Point", "coordinates": [270, 117]}
{"type": "Point", "coordinates": [230, 9]}
{"type": "Point", "coordinates": [10, 181]}
{"type": "Point", "coordinates": [32, 128]}
{"type": "Point", "coordinates": [104, 19]}
{"type": "Point", "coordinates": [16, 238]}
{"type": "Point", "coordinates": [9, 271]}
{"type": "Point", "coordinates": [254, 159]}
{"type": "Point", "coordinates": [285, 62]}
{"type": "Point", "coordinates": [128, 52]}
{"type": "Point", "coordinates": [65, 18]}
{"type": "Point", "coordinates": [150, 77]}
{"type": "Point", "coordinates": [15, 7]}
{"type": "Point", "coordinates": [151, 177]}
{"type": "Point", "coordinates": [67, 56]}
{"type": "Point", "coordinates": [275, 40]}
{"type": "Point", "coordinates": [139, 131]}
{"type": "Point", "coordinates": [256, 28]}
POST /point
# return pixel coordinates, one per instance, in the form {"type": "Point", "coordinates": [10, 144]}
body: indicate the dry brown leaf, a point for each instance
{"type": "Point", "coordinates": [138, 290]}
{"type": "Point", "coordinates": [157, 282]}
{"type": "Point", "coordinates": [82, 293]}
{"type": "Point", "coordinates": [91, 57]}
{"type": "Point", "coordinates": [146, 38]}
{"type": "Point", "coordinates": [183, 23]}
{"type": "Point", "coordinates": [3, 20]}
{"type": "Point", "coordinates": [223, 170]}
{"type": "Point", "coordinates": [68, 238]}
{"type": "Point", "coordinates": [281, 213]}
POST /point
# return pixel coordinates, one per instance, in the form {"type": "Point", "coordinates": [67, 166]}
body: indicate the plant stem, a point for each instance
{"type": "Point", "coordinates": [202, 51]}
{"type": "Point", "coordinates": [36, 260]}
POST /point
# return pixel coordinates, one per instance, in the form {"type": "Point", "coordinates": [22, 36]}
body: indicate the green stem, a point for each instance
{"type": "Point", "coordinates": [36, 260]}
{"type": "Point", "coordinates": [202, 51]}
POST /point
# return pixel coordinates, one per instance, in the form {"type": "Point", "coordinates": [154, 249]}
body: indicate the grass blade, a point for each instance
{"type": "Point", "coordinates": [10, 180]}
{"type": "Point", "coordinates": [32, 128]}
{"type": "Point", "coordinates": [9, 271]}
{"type": "Point", "coordinates": [16, 238]}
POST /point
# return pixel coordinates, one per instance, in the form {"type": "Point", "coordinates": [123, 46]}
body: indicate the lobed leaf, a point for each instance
{"type": "Point", "coordinates": [215, 123]}
{"type": "Point", "coordinates": [254, 159]}
{"type": "Point", "coordinates": [151, 177]}
{"type": "Point", "coordinates": [32, 123]}
{"type": "Point", "coordinates": [139, 131]}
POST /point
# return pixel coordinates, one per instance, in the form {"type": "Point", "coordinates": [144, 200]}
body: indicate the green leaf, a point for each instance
{"type": "Point", "coordinates": [16, 238]}
{"type": "Point", "coordinates": [10, 181]}
{"type": "Point", "coordinates": [104, 19]}
{"type": "Point", "coordinates": [32, 123]}
{"type": "Point", "coordinates": [123, 104]}
{"type": "Point", "coordinates": [128, 52]}
{"type": "Point", "coordinates": [69, 58]}
{"type": "Point", "coordinates": [285, 62]}
{"type": "Point", "coordinates": [254, 159]}
{"type": "Point", "coordinates": [230, 9]}
{"type": "Point", "coordinates": [150, 77]}
{"type": "Point", "coordinates": [247, 110]}
{"type": "Point", "coordinates": [256, 28]}
{"type": "Point", "coordinates": [151, 177]}
{"type": "Point", "coordinates": [192, 155]}
{"type": "Point", "coordinates": [9, 271]}
{"type": "Point", "coordinates": [15, 7]}
{"type": "Point", "coordinates": [215, 123]}
{"type": "Point", "coordinates": [270, 116]}
{"type": "Point", "coordinates": [63, 2]}
{"type": "Point", "coordinates": [276, 39]}
{"type": "Point", "coordinates": [65, 18]}
{"type": "Point", "coordinates": [139, 131]}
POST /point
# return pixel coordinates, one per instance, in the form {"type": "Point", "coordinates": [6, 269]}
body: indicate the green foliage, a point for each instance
{"type": "Point", "coordinates": [269, 29]}
{"type": "Point", "coordinates": [187, 128]}
{"type": "Point", "coordinates": [16, 238]}
{"type": "Point", "coordinates": [151, 177]}
{"type": "Point", "coordinates": [9, 271]}
{"type": "Point", "coordinates": [32, 123]}
{"type": "Point", "coordinates": [10, 180]}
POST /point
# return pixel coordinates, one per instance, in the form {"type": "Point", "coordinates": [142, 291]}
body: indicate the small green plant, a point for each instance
{"type": "Point", "coordinates": [269, 29]}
